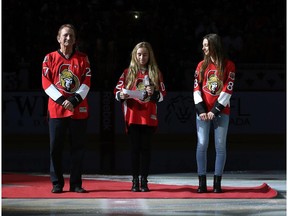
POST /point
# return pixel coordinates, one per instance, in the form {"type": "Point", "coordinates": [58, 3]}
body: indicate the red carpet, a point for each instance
{"type": "Point", "coordinates": [32, 186]}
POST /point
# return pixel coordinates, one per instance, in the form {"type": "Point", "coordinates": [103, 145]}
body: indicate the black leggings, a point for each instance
{"type": "Point", "coordinates": [140, 137]}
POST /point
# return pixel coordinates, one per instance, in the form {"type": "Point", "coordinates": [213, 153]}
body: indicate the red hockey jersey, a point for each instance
{"type": "Point", "coordinates": [63, 78]}
{"type": "Point", "coordinates": [136, 111]}
{"type": "Point", "coordinates": [213, 94]}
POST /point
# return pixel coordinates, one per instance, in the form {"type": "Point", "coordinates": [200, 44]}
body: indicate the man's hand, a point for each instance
{"type": "Point", "coordinates": [68, 105]}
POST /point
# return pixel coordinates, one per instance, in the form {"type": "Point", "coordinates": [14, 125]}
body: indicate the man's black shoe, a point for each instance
{"type": "Point", "coordinates": [57, 189]}
{"type": "Point", "coordinates": [78, 190]}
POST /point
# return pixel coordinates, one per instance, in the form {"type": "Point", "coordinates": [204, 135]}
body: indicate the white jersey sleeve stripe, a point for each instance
{"type": "Point", "coordinates": [161, 97]}
{"type": "Point", "coordinates": [197, 97]}
{"type": "Point", "coordinates": [83, 91]}
{"type": "Point", "coordinates": [53, 92]}
{"type": "Point", "coordinates": [224, 98]}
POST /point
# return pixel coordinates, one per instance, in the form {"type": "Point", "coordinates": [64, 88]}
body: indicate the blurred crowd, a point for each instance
{"type": "Point", "coordinates": [253, 31]}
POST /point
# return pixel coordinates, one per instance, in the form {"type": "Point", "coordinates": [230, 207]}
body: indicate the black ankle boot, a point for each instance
{"type": "Point", "coordinates": [217, 184]}
{"type": "Point", "coordinates": [135, 184]}
{"type": "Point", "coordinates": [202, 184]}
{"type": "Point", "coordinates": [144, 184]}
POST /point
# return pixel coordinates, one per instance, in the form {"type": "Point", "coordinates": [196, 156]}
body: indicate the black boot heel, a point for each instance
{"type": "Point", "coordinates": [144, 184]}
{"type": "Point", "coordinates": [135, 184]}
{"type": "Point", "coordinates": [202, 184]}
{"type": "Point", "coordinates": [217, 184]}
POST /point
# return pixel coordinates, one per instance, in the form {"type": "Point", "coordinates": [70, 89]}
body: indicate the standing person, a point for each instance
{"type": "Point", "coordinates": [66, 78]}
{"type": "Point", "coordinates": [213, 87]}
{"type": "Point", "coordinates": [140, 114]}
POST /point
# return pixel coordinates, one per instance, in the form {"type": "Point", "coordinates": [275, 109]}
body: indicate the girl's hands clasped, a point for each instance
{"type": "Point", "coordinates": [210, 115]}
{"type": "Point", "coordinates": [207, 116]}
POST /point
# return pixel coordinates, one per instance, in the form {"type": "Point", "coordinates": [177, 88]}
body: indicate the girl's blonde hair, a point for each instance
{"type": "Point", "coordinates": [134, 67]}
{"type": "Point", "coordinates": [217, 52]}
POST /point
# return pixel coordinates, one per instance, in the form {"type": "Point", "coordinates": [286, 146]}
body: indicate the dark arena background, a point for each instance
{"type": "Point", "coordinates": [253, 31]}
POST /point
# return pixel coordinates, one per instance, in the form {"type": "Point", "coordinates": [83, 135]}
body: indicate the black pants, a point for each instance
{"type": "Point", "coordinates": [76, 130]}
{"type": "Point", "coordinates": [140, 137]}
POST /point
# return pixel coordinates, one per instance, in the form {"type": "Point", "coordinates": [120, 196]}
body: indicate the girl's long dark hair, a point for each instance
{"type": "Point", "coordinates": [216, 50]}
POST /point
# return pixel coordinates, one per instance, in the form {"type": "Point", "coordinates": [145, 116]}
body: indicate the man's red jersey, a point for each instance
{"type": "Point", "coordinates": [214, 93]}
{"type": "Point", "coordinates": [136, 111]}
{"type": "Point", "coordinates": [63, 77]}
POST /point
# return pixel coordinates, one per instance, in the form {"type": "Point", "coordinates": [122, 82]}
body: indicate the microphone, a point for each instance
{"type": "Point", "coordinates": [146, 81]}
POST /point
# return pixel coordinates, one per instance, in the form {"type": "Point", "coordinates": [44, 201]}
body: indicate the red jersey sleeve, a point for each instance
{"type": "Point", "coordinates": [120, 84]}
{"type": "Point", "coordinates": [227, 90]}
{"type": "Point", "coordinates": [48, 78]}
{"type": "Point", "coordinates": [162, 89]}
{"type": "Point", "coordinates": [86, 79]}
{"type": "Point", "coordinates": [197, 92]}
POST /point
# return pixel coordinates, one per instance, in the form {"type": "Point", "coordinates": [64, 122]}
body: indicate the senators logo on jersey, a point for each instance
{"type": "Point", "coordinates": [141, 87]}
{"type": "Point", "coordinates": [213, 85]}
{"type": "Point", "coordinates": [68, 81]}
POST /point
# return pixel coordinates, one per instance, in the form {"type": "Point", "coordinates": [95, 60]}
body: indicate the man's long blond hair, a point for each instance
{"type": "Point", "coordinates": [134, 67]}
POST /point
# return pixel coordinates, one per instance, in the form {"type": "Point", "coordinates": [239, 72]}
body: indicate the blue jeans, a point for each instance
{"type": "Point", "coordinates": [220, 124]}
